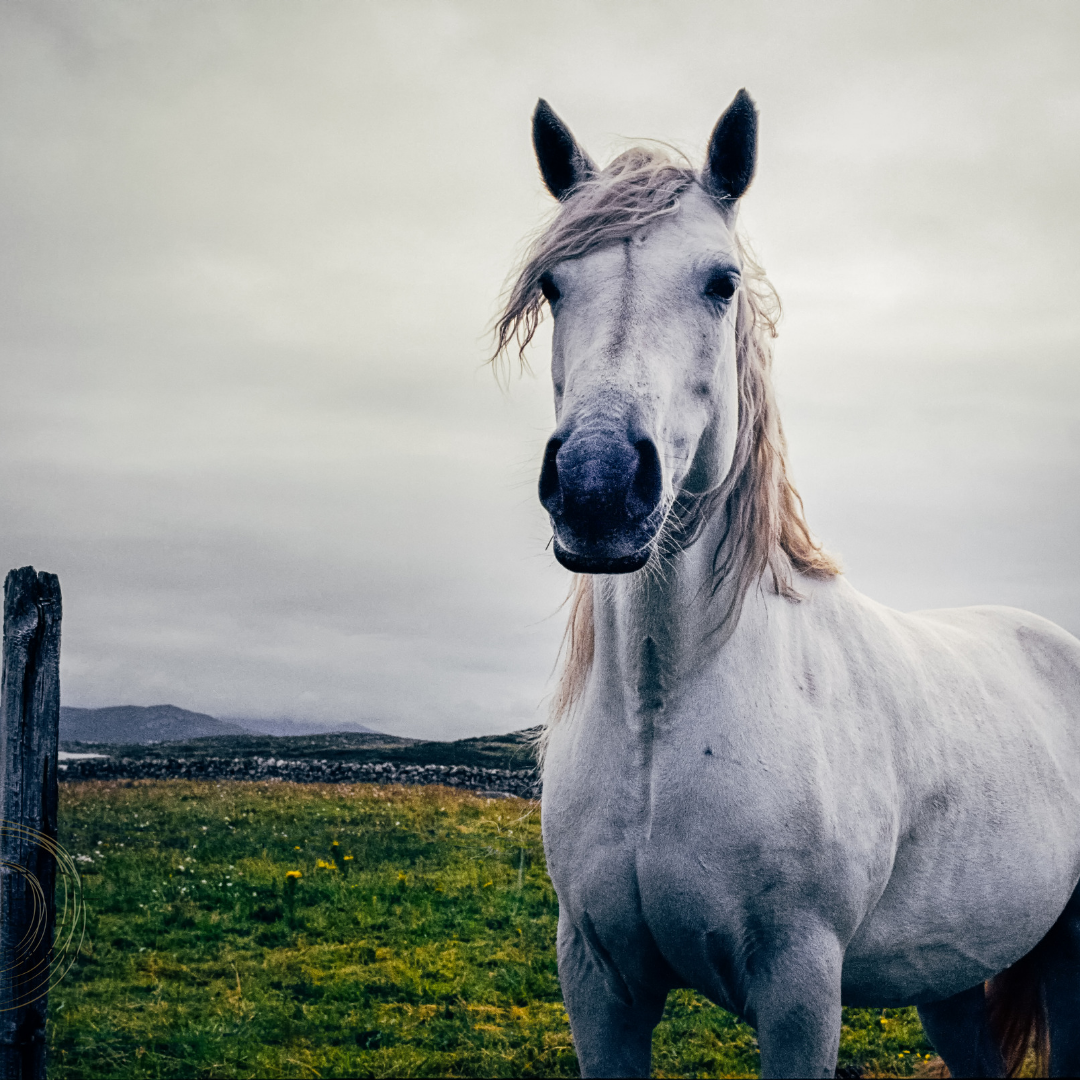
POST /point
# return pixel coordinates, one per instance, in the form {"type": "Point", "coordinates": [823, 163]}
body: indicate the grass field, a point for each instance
{"type": "Point", "coordinates": [417, 940]}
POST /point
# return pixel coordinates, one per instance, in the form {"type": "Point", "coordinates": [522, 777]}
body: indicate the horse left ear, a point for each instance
{"type": "Point", "coordinates": [733, 149]}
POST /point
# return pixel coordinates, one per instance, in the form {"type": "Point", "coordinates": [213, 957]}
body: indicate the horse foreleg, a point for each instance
{"type": "Point", "coordinates": [612, 1021]}
{"type": "Point", "coordinates": [794, 1003]}
{"type": "Point", "coordinates": [960, 1031]}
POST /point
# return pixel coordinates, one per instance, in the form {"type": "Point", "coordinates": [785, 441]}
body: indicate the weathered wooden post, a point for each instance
{"type": "Point", "coordinates": [29, 733]}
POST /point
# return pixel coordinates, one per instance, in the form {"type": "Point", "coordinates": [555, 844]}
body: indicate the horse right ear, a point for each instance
{"type": "Point", "coordinates": [563, 164]}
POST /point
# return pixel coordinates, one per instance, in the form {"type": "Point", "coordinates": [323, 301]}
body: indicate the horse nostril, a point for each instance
{"type": "Point", "coordinates": [648, 480]}
{"type": "Point", "coordinates": [549, 477]}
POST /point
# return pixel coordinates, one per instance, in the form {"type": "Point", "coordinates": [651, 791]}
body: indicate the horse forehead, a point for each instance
{"type": "Point", "coordinates": [696, 233]}
{"type": "Point", "coordinates": [697, 230]}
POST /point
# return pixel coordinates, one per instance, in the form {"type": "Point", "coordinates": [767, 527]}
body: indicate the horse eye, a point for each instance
{"type": "Point", "coordinates": [547, 287]}
{"type": "Point", "coordinates": [721, 286]}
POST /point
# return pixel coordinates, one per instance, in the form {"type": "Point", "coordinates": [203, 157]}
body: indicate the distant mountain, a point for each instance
{"type": "Point", "coordinates": [303, 727]}
{"type": "Point", "coordinates": [140, 724]}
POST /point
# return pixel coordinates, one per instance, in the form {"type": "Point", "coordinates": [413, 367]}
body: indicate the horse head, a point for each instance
{"type": "Point", "coordinates": [642, 279]}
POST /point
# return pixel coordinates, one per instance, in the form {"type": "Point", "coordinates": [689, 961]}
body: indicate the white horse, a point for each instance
{"type": "Point", "coordinates": [763, 784]}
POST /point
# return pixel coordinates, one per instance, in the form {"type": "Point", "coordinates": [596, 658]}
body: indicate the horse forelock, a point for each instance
{"type": "Point", "coordinates": [639, 186]}
{"type": "Point", "coordinates": [765, 530]}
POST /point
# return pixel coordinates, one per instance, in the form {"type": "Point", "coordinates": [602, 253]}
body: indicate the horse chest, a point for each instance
{"type": "Point", "coordinates": [674, 896]}
{"type": "Point", "coordinates": [677, 834]}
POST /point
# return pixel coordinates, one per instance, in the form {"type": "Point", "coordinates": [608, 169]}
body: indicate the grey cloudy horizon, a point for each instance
{"type": "Point", "coordinates": [249, 255]}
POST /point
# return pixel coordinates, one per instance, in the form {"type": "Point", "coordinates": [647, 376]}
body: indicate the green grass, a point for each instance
{"type": "Point", "coordinates": [422, 945]}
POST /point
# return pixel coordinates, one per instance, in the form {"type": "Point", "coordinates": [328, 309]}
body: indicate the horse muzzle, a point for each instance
{"type": "Point", "coordinates": [602, 490]}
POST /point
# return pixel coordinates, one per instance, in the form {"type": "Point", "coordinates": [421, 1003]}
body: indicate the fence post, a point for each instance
{"type": "Point", "coordinates": [29, 733]}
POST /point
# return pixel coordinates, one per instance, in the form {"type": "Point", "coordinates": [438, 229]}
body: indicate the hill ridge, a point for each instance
{"type": "Point", "coordinates": [129, 724]}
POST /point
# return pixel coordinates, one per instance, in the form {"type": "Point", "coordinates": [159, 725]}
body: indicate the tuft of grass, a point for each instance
{"type": "Point", "coordinates": [245, 929]}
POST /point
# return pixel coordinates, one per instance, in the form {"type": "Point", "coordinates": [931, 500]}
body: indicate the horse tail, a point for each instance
{"type": "Point", "coordinates": [1016, 1012]}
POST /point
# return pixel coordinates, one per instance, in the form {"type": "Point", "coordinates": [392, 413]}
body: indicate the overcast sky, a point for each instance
{"type": "Point", "coordinates": [249, 253]}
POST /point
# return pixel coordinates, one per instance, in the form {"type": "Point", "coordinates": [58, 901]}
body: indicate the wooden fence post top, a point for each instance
{"type": "Point", "coordinates": [31, 598]}
{"type": "Point", "coordinates": [32, 613]}
{"type": "Point", "coordinates": [26, 591]}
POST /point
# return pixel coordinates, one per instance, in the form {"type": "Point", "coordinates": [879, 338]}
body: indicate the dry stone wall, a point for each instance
{"type": "Point", "coordinates": [525, 783]}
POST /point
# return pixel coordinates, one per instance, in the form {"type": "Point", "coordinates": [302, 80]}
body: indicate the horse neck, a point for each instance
{"type": "Point", "coordinates": [652, 627]}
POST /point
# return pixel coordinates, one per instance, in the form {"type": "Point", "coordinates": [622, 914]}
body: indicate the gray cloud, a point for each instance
{"type": "Point", "coordinates": [248, 254]}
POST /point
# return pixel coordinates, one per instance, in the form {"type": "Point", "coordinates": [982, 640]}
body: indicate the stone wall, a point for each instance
{"type": "Point", "coordinates": [524, 783]}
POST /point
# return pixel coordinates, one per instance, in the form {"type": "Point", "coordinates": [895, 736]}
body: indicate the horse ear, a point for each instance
{"type": "Point", "coordinates": [563, 164]}
{"type": "Point", "coordinates": [733, 149]}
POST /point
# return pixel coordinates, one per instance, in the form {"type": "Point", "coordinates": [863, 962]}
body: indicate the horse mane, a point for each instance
{"type": "Point", "coordinates": [765, 527]}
